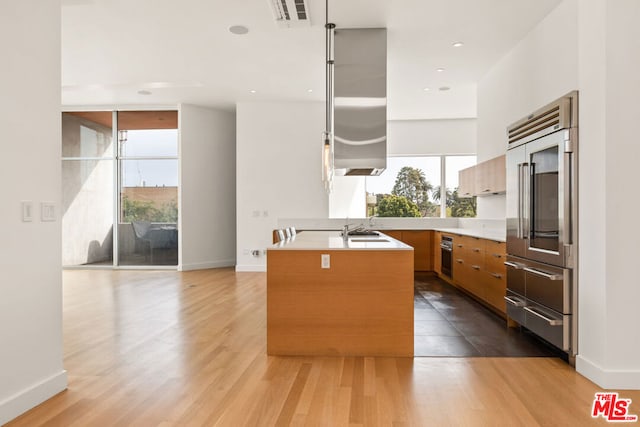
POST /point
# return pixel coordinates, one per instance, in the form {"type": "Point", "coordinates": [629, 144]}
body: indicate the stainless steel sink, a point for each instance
{"type": "Point", "coordinates": [363, 233]}
{"type": "Point", "coordinates": [368, 240]}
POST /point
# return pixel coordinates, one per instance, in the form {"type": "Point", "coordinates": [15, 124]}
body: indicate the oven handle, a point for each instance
{"type": "Point", "coordinates": [550, 321]}
{"type": "Point", "coordinates": [546, 275]}
{"type": "Point", "coordinates": [516, 302]}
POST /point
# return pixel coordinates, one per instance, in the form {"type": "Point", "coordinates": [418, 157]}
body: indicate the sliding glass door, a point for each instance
{"type": "Point", "coordinates": [132, 183]}
{"type": "Point", "coordinates": [148, 188]}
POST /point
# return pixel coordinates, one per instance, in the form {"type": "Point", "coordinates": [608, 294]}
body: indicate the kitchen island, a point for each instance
{"type": "Point", "coordinates": [327, 296]}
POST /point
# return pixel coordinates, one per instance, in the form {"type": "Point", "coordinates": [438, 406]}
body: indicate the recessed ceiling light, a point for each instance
{"type": "Point", "coordinates": [444, 88]}
{"type": "Point", "coordinates": [238, 29]}
{"type": "Point", "coordinates": [253, 91]}
{"type": "Point", "coordinates": [426, 89]}
{"type": "Point", "coordinates": [144, 92]}
{"type": "Point", "coordinates": [458, 44]}
{"type": "Point", "coordinates": [439, 70]}
{"type": "Point", "coordinates": [309, 90]}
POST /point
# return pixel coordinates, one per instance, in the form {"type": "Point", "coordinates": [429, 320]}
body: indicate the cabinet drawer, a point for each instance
{"type": "Point", "coordinates": [495, 256]}
{"type": "Point", "coordinates": [472, 251]}
{"type": "Point", "coordinates": [476, 283]}
{"type": "Point", "coordinates": [459, 270]}
{"type": "Point", "coordinates": [495, 290]}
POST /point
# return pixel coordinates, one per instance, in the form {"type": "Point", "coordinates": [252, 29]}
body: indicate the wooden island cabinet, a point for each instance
{"type": "Point", "coordinates": [327, 296]}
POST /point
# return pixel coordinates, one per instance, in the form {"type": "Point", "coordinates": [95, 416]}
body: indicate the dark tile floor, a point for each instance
{"type": "Point", "coordinates": [449, 323]}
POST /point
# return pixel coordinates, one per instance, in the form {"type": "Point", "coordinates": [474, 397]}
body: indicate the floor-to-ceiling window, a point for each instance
{"type": "Point", "coordinates": [87, 188]}
{"type": "Point", "coordinates": [120, 168]}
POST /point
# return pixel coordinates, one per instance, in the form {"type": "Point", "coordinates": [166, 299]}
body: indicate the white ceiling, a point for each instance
{"type": "Point", "coordinates": [182, 51]}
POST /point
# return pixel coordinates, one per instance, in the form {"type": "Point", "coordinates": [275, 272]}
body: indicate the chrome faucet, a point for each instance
{"type": "Point", "coordinates": [345, 232]}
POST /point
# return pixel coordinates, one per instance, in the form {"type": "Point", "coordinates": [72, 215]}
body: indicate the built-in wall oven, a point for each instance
{"type": "Point", "coordinates": [542, 222]}
{"type": "Point", "coordinates": [446, 249]}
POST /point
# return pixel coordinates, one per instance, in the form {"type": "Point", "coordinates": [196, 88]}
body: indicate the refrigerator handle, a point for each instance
{"type": "Point", "coordinates": [520, 196]}
{"type": "Point", "coordinates": [567, 236]}
{"type": "Point", "coordinates": [526, 201]}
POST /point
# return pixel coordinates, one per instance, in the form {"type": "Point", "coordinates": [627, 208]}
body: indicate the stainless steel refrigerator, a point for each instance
{"type": "Point", "coordinates": [542, 222]}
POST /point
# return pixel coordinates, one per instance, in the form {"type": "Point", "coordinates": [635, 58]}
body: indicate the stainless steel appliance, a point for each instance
{"type": "Point", "coordinates": [446, 249]}
{"type": "Point", "coordinates": [542, 222]}
{"type": "Point", "coordinates": [360, 101]}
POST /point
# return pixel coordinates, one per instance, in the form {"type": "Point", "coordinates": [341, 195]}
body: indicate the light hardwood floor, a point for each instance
{"type": "Point", "coordinates": [168, 348]}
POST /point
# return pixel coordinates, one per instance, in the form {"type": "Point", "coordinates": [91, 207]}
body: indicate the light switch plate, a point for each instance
{"type": "Point", "coordinates": [47, 211]}
{"type": "Point", "coordinates": [27, 211]}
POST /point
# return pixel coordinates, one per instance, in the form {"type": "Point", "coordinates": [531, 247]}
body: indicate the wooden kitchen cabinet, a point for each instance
{"type": "Point", "coordinates": [421, 241]}
{"type": "Point", "coordinates": [495, 274]}
{"type": "Point", "coordinates": [437, 252]}
{"type": "Point", "coordinates": [489, 177]}
{"type": "Point", "coordinates": [478, 268]}
{"type": "Point", "coordinates": [467, 182]}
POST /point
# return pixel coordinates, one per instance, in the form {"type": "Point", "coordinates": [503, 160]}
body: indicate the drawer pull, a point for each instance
{"type": "Point", "coordinates": [550, 321]}
{"type": "Point", "coordinates": [514, 301]}
{"type": "Point", "coordinates": [514, 265]}
{"type": "Point", "coordinates": [497, 255]}
{"type": "Point", "coordinates": [459, 261]}
{"type": "Point", "coordinates": [548, 276]}
{"type": "Point", "coordinates": [476, 249]}
{"type": "Point", "coordinates": [496, 275]}
{"type": "Point", "coordinates": [475, 267]}
{"type": "Point", "coordinates": [459, 245]}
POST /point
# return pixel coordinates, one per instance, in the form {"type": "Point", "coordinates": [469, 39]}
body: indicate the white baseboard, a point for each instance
{"type": "Point", "coordinates": [206, 265]}
{"type": "Point", "coordinates": [612, 379]}
{"type": "Point", "coordinates": [26, 399]}
{"type": "Point", "coordinates": [251, 268]}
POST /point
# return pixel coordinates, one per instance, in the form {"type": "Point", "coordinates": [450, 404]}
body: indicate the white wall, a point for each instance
{"type": "Point", "coordinates": [609, 291]}
{"type": "Point", "coordinates": [278, 173]}
{"type": "Point", "coordinates": [207, 188]}
{"type": "Point", "coordinates": [348, 197]}
{"type": "Point", "coordinates": [423, 137]}
{"type": "Point", "coordinates": [31, 290]}
{"type": "Point", "coordinates": [541, 68]}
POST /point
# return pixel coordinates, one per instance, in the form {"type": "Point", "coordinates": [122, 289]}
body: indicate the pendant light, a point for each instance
{"type": "Point", "coordinates": [327, 135]}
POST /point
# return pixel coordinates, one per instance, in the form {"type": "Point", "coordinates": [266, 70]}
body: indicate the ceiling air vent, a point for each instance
{"type": "Point", "coordinates": [290, 13]}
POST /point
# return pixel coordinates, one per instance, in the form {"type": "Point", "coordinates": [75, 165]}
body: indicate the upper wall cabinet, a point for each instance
{"type": "Point", "coordinates": [485, 178]}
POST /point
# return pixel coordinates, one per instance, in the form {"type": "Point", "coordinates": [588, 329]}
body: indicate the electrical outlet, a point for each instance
{"type": "Point", "coordinates": [325, 261]}
{"type": "Point", "coordinates": [255, 252]}
{"type": "Point", "coordinates": [47, 211]}
{"type": "Point", "coordinates": [245, 252]}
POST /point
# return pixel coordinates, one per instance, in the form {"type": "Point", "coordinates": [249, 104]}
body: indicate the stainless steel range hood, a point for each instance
{"type": "Point", "coordinates": [360, 101]}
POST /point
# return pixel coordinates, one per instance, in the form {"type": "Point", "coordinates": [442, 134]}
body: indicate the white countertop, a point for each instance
{"type": "Point", "coordinates": [487, 233]}
{"type": "Point", "coordinates": [319, 240]}
{"type": "Point", "coordinates": [491, 229]}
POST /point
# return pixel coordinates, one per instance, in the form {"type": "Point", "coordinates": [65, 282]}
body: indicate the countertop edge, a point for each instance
{"type": "Point", "coordinates": [397, 246]}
